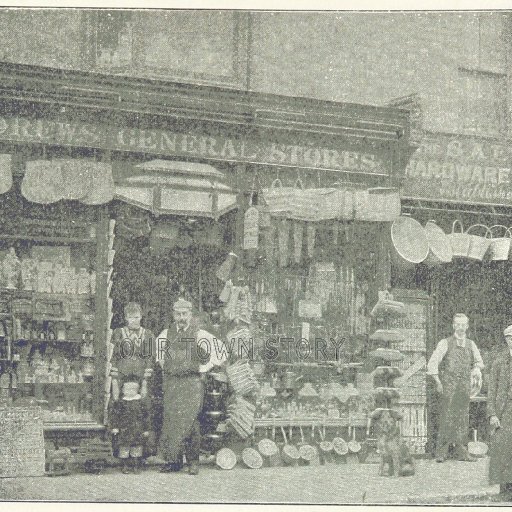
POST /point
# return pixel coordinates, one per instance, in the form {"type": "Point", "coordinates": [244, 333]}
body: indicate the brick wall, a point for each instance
{"type": "Point", "coordinates": [374, 57]}
{"type": "Point", "coordinates": [367, 58]}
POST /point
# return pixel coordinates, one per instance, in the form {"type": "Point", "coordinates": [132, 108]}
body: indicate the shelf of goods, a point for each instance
{"type": "Point", "coordinates": [413, 383]}
{"type": "Point", "coordinates": [47, 318]}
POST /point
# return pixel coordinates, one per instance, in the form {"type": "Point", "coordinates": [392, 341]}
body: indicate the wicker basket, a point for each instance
{"type": "Point", "coordinates": [478, 245]}
{"type": "Point", "coordinates": [500, 246]}
{"type": "Point", "coordinates": [459, 240]}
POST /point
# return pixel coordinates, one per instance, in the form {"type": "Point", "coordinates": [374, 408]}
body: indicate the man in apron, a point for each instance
{"type": "Point", "coordinates": [454, 362]}
{"type": "Point", "coordinates": [185, 354]}
{"type": "Point", "coordinates": [499, 411]}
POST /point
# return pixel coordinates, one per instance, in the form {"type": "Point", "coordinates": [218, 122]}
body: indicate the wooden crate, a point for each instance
{"type": "Point", "coordinates": [22, 442]}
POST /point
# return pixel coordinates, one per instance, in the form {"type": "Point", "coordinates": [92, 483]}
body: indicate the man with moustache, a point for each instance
{"type": "Point", "coordinates": [185, 353]}
{"type": "Point", "coordinates": [499, 412]}
{"type": "Point", "coordinates": [454, 362]}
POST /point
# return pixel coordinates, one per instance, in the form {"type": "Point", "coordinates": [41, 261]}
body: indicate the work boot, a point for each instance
{"type": "Point", "coordinates": [505, 492]}
{"type": "Point", "coordinates": [462, 454]}
{"type": "Point", "coordinates": [193, 468]}
{"type": "Point", "coordinates": [136, 465]}
{"type": "Point", "coordinates": [125, 469]}
{"type": "Point", "coordinates": [170, 467]}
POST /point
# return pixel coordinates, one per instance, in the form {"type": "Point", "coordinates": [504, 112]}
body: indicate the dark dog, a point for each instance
{"type": "Point", "coordinates": [392, 449]}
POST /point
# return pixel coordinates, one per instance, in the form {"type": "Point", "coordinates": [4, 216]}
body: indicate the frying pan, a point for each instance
{"type": "Point", "coordinates": [307, 452]}
{"type": "Point", "coordinates": [290, 453]}
{"type": "Point", "coordinates": [326, 447]}
{"type": "Point", "coordinates": [353, 445]}
{"type": "Point", "coordinates": [340, 445]}
{"type": "Point", "coordinates": [267, 447]}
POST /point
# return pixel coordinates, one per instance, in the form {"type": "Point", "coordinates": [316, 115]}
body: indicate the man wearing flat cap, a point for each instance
{"type": "Point", "coordinates": [185, 353]}
{"type": "Point", "coordinates": [499, 412]}
{"type": "Point", "coordinates": [454, 362]}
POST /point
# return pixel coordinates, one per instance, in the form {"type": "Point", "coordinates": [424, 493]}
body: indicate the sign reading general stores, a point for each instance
{"type": "Point", "coordinates": [168, 143]}
{"type": "Point", "coordinates": [461, 169]}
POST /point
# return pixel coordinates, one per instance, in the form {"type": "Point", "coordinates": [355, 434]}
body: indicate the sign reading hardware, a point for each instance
{"type": "Point", "coordinates": [164, 142]}
{"type": "Point", "coordinates": [462, 169]}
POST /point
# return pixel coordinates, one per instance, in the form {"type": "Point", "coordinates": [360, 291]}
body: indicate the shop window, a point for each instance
{"type": "Point", "coordinates": [114, 39]}
{"type": "Point", "coordinates": [198, 46]}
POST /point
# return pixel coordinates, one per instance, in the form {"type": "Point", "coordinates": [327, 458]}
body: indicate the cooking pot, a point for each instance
{"type": "Point", "coordinates": [353, 445]}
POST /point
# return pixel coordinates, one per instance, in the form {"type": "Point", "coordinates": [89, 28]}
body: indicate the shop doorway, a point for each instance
{"type": "Point", "coordinates": [160, 259]}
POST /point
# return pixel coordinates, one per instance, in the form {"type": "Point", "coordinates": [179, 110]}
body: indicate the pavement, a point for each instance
{"type": "Point", "coordinates": [449, 483]}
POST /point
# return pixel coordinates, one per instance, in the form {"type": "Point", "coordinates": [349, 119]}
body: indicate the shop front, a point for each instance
{"type": "Point", "coordinates": [265, 212]}
{"type": "Point", "coordinates": [457, 188]}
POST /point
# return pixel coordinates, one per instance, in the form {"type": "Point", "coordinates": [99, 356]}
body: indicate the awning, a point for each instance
{"type": "Point", "coordinates": [178, 188]}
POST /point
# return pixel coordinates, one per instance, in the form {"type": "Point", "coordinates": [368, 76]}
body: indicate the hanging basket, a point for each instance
{"type": "Point", "coordinates": [478, 245]}
{"type": "Point", "coordinates": [378, 204]}
{"type": "Point", "coordinates": [440, 249]}
{"type": "Point", "coordinates": [279, 199]}
{"type": "Point", "coordinates": [459, 240]}
{"type": "Point", "coordinates": [500, 245]}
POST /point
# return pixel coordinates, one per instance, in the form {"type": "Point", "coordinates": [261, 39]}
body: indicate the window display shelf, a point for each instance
{"type": "Point", "coordinates": [300, 422]}
{"type": "Point", "coordinates": [36, 341]}
{"type": "Point", "coordinates": [50, 239]}
{"type": "Point", "coordinates": [45, 295]}
{"type": "Point", "coordinates": [55, 383]}
{"type": "Point", "coordinates": [70, 425]}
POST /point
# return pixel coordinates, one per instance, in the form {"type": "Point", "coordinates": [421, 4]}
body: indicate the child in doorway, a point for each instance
{"type": "Point", "coordinates": [134, 354]}
{"type": "Point", "coordinates": [130, 423]}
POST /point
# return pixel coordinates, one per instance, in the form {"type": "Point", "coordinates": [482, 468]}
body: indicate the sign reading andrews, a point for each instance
{"type": "Point", "coordinates": [169, 143]}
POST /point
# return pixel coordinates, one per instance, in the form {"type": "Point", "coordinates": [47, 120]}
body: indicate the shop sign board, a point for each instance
{"type": "Point", "coordinates": [460, 169]}
{"type": "Point", "coordinates": [251, 149]}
